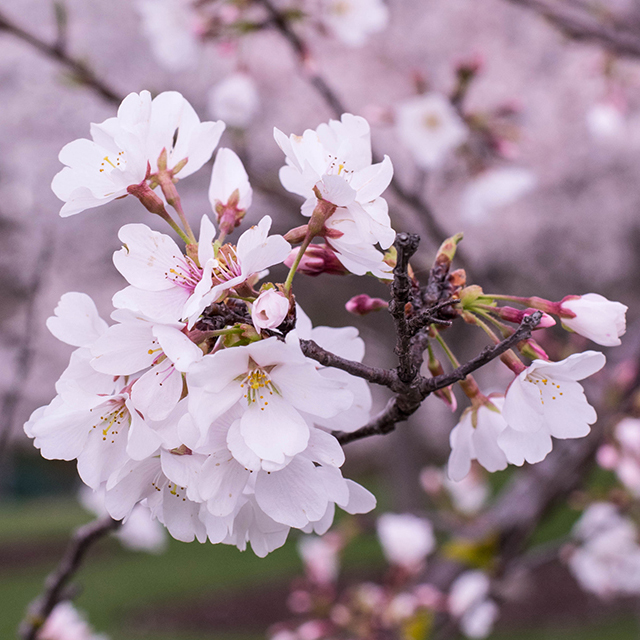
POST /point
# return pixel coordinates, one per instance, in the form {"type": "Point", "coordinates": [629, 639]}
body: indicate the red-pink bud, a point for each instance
{"type": "Point", "coordinates": [317, 259]}
{"type": "Point", "coordinates": [363, 304]}
{"type": "Point", "coordinates": [517, 315]}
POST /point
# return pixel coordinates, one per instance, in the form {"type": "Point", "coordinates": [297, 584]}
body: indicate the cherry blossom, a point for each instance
{"type": "Point", "coordinates": [235, 100]}
{"type": "Point", "coordinates": [469, 602]}
{"type": "Point", "coordinates": [608, 560]}
{"type": "Point", "coordinates": [65, 623]}
{"type": "Point", "coordinates": [269, 310]}
{"type": "Point", "coordinates": [546, 400]}
{"type": "Point", "coordinates": [352, 21]}
{"type": "Point", "coordinates": [430, 128]}
{"type": "Point", "coordinates": [171, 27]}
{"type": "Point", "coordinates": [406, 539]}
{"type": "Point", "coordinates": [475, 437]}
{"type": "Point", "coordinates": [595, 317]}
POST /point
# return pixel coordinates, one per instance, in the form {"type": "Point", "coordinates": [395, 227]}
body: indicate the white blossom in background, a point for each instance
{"type": "Point", "coordinates": [65, 623]}
{"type": "Point", "coordinates": [623, 456]}
{"type": "Point", "coordinates": [406, 540]}
{"type": "Point", "coordinates": [475, 437]}
{"type": "Point", "coordinates": [171, 27]}
{"type": "Point", "coordinates": [547, 400]}
{"type": "Point", "coordinates": [100, 170]}
{"type": "Point", "coordinates": [235, 100]}
{"type": "Point", "coordinates": [596, 318]}
{"type": "Point", "coordinates": [140, 532]}
{"type": "Point", "coordinates": [470, 604]}
{"type": "Point", "coordinates": [607, 562]}
{"type": "Point", "coordinates": [321, 557]}
{"type": "Point", "coordinates": [606, 121]}
{"type": "Point", "coordinates": [336, 160]}
{"type": "Point", "coordinates": [229, 184]}
{"type": "Point", "coordinates": [470, 494]}
{"type": "Point", "coordinates": [353, 21]}
{"type": "Point", "coordinates": [430, 128]}
{"type": "Point", "coordinates": [494, 189]}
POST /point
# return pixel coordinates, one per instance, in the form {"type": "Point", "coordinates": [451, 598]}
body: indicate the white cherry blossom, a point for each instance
{"type": "Point", "coordinates": [547, 400]}
{"type": "Point", "coordinates": [469, 602]}
{"type": "Point", "coordinates": [352, 21]}
{"type": "Point", "coordinates": [596, 318]}
{"type": "Point", "coordinates": [235, 100]}
{"type": "Point", "coordinates": [66, 623]}
{"type": "Point", "coordinates": [430, 128]}
{"type": "Point", "coordinates": [406, 539]}
{"type": "Point", "coordinates": [171, 27]}
{"type": "Point", "coordinates": [475, 437]}
{"type": "Point", "coordinates": [100, 170]}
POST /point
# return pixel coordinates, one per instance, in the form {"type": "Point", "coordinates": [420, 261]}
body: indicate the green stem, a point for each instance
{"type": "Point", "coordinates": [448, 352]}
{"type": "Point", "coordinates": [505, 330]}
{"type": "Point", "coordinates": [294, 267]}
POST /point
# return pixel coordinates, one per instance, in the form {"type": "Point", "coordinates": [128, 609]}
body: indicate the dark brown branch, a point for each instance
{"type": "Point", "coordinates": [528, 324]}
{"type": "Point", "coordinates": [376, 375]}
{"type": "Point", "coordinates": [409, 400]}
{"type": "Point", "coordinates": [55, 583]}
{"type": "Point", "coordinates": [80, 71]}
{"type": "Point", "coordinates": [584, 25]}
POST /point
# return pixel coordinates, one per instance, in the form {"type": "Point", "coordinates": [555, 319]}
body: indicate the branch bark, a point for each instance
{"type": "Point", "coordinates": [83, 539]}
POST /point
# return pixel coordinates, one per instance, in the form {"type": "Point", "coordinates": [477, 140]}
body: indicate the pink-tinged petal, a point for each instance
{"type": "Point", "coordinates": [217, 528]}
{"type": "Point", "coordinates": [295, 182]}
{"type": "Point", "coordinates": [576, 367]}
{"type": "Point", "coordinates": [160, 306]}
{"type": "Point", "coordinates": [324, 449]}
{"type": "Point", "coordinates": [371, 181]}
{"type": "Point", "coordinates": [324, 524]}
{"type": "Point", "coordinates": [235, 444]}
{"type": "Point", "coordinates": [206, 407]}
{"type": "Point", "coordinates": [205, 240]}
{"type": "Point", "coordinates": [156, 393]}
{"type": "Point", "coordinates": [143, 441]}
{"type": "Point", "coordinates": [462, 451]}
{"type": "Point", "coordinates": [361, 500]}
{"type": "Point", "coordinates": [334, 484]}
{"type": "Point", "coordinates": [76, 320]}
{"type": "Point", "coordinates": [80, 385]}
{"type": "Point", "coordinates": [228, 175]}
{"type": "Point", "coordinates": [379, 221]}
{"type": "Point", "coordinates": [177, 347]}
{"type": "Point", "coordinates": [148, 259]}
{"type": "Point", "coordinates": [343, 341]}
{"type": "Point", "coordinates": [202, 143]}
{"type": "Point", "coordinates": [257, 251]}
{"type": "Point", "coordinates": [275, 430]}
{"type": "Point", "coordinates": [490, 424]}
{"type": "Point", "coordinates": [293, 496]}
{"type": "Point", "coordinates": [134, 482]}
{"type": "Point", "coordinates": [523, 409]}
{"type": "Point", "coordinates": [282, 140]}
{"type": "Point", "coordinates": [224, 480]}
{"type": "Point", "coordinates": [183, 470]}
{"type": "Point", "coordinates": [82, 199]}
{"type": "Point", "coordinates": [308, 391]}
{"type": "Point", "coordinates": [104, 453]}
{"type": "Point", "coordinates": [519, 446]}
{"type": "Point", "coordinates": [61, 434]}
{"type": "Point", "coordinates": [568, 415]}
{"type": "Point", "coordinates": [215, 372]}
{"type": "Point", "coordinates": [125, 349]}
{"type": "Point", "coordinates": [336, 189]}
{"type": "Point", "coordinates": [180, 515]}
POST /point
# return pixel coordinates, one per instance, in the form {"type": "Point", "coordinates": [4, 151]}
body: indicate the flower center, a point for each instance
{"type": "Point", "coordinates": [258, 388]}
{"type": "Point", "coordinates": [186, 274]}
{"type": "Point", "coordinates": [431, 121]}
{"type": "Point", "coordinates": [548, 389]}
{"type": "Point", "coordinates": [108, 165]}
{"type": "Point", "coordinates": [338, 167]}
{"type": "Point", "coordinates": [227, 265]}
{"type": "Point", "coordinates": [110, 420]}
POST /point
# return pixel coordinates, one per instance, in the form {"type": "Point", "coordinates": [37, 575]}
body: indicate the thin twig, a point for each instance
{"type": "Point", "coordinates": [55, 583]}
{"type": "Point", "coordinates": [582, 24]}
{"type": "Point", "coordinates": [57, 51]}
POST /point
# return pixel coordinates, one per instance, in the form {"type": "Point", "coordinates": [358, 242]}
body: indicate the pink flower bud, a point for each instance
{"type": "Point", "coordinates": [363, 304]}
{"type": "Point", "coordinates": [269, 310]}
{"type": "Point", "coordinates": [517, 315]}
{"type": "Point", "coordinates": [317, 259]}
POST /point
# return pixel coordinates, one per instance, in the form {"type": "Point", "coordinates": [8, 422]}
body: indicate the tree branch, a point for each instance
{"type": "Point", "coordinates": [581, 24]}
{"type": "Point", "coordinates": [55, 583]}
{"type": "Point", "coordinates": [81, 72]}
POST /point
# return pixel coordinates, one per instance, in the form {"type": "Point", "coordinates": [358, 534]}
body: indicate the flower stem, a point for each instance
{"type": "Point", "coordinates": [448, 352]}
{"type": "Point", "coordinates": [296, 264]}
{"type": "Point", "coordinates": [165, 180]}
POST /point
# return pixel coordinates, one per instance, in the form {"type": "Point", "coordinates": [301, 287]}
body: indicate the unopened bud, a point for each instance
{"type": "Point", "coordinates": [317, 259]}
{"type": "Point", "coordinates": [297, 235]}
{"type": "Point", "coordinates": [151, 201]}
{"type": "Point", "coordinates": [447, 249]}
{"type": "Point", "coordinates": [458, 278]}
{"type": "Point", "coordinates": [510, 314]}
{"type": "Point", "coordinates": [363, 304]}
{"type": "Point", "coordinates": [269, 310]}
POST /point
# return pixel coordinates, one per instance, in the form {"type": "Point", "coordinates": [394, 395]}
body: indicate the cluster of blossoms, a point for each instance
{"type": "Point", "coordinates": [198, 401]}
{"type": "Point", "coordinates": [401, 606]}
